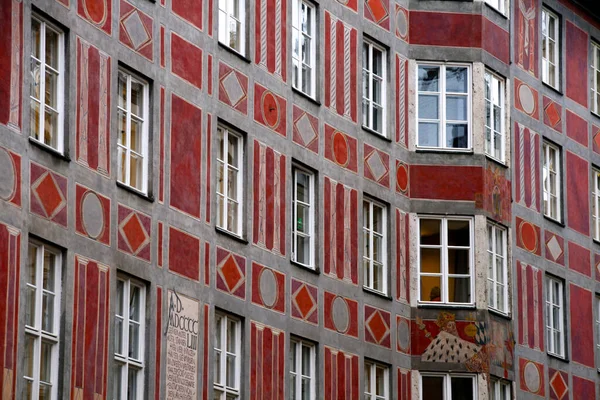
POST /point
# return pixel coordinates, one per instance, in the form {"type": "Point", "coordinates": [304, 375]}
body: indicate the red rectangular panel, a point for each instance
{"type": "Point", "coordinates": [184, 254]}
{"type": "Point", "coordinates": [186, 155]}
{"type": "Point", "coordinates": [189, 10]}
{"type": "Point", "coordinates": [580, 259]}
{"type": "Point", "coordinates": [576, 48]}
{"type": "Point", "coordinates": [11, 68]}
{"type": "Point", "coordinates": [577, 128]}
{"type": "Point", "coordinates": [525, 35]}
{"type": "Point", "coordinates": [578, 210]}
{"type": "Point", "coordinates": [341, 375]}
{"type": "Point", "coordinates": [529, 300]}
{"type": "Point", "coordinates": [445, 29]}
{"type": "Point", "coordinates": [444, 182]}
{"type": "Point", "coordinates": [267, 362]}
{"type": "Point", "coordinates": [496, 41]}
{"type": "Point", "coordinates": [582, 325]}
{"type": "Point", "coordinates": [186, 60]}
{"type": "Point", "coordinates": [270, 36]}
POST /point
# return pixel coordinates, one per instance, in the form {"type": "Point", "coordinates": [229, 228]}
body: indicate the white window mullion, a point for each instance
{"type": "Point", "coordinates": [42, 135]}
{"type": "Point", "coordinates": [128, 132]}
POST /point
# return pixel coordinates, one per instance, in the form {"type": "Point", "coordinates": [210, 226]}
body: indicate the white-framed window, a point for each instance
{"type": "Point", "coordinates": [550, 48]}
{"type": "Point", "coordinates": [444, 106]}
{"type": "Point", "coordinates": [42, 322]}
{"type": "Point", "coordinates": [445, 260]}
{"type": "Point", "coordinates": [232, 24]}
{"type": "Point", "coordinates": [47, 83]}
{"type": "Point", "coordinates": [377, 381]}
{"type": "Point", "coordinates": [497, 269]}
{"type": "Point", "coordinates": [303, 214]}
{"type": "Point", "coordinates": [435, 386]}
{"type": "Point", "coordinates": [374, 88]}
{"type": "Point", "coordinates": [227, 362]}
{"type": "Point", "coordinates": [596, 203]}
{"type": "Point", "coordinates": [497, 4]}
{"type": "Point", "coordinates": [304, 53]}
{"type": "Point", "coordinates": [133, 120]}
{"type": "Point", "coordinates": [130, 328]}
{"type": "Point", "coordinates": [494, 116]}
{"type": "Point", "coordinates": [230, 180]}
{"type": "Point", "coordinates": [375, 245]}
{"type": "Point", "coordinates": [555, 331]}
{"type": "Point", "coordinates": [595, 84]}
{"type": "Point", "coordinates": [500, 390]}
{"type": "Point", "coordinates": [552, 183]}
{"type": "Point", "coordinates": [303, 370]}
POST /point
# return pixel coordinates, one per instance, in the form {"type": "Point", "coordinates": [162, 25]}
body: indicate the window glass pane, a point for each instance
{"type": "Point", "coordinates": [431, 260]}
{"type": "Point", "coordinates": [462, 388]}
{"type": "Point", "coordinates": [377, 62]}
{"type": "Point", "coordinates": [379, 381]}
{"type": "Point", "coordinates": [232, 150]}
{"type": "Point", "coordinates": [30, 274]}
{"type": "Point", "coordinates": [132, 380]}
{"type": "Point", "coordinates": [458, 261]}
{"type": "Point", "coordinates": [52, 39]}
{"type": "Point", "coordinates": [231, 336]}
{"type": "Point", "coordinates": [459, 232]}
{"type": "Point", "coordinates": [302, 187]}
{"type": "Point", "coordinates": [34, 90]}
{"type": "Point", "coordinates": [428, 106]}
{"type": "Point", "coordinates": [29, 355]}
{"type": "Point", "coordinates": [459, 290]}
{"type": "Point", "coordinates": [134, 341]}
{"type": "Point", "coordinates": [430, 288]}
{"type": "Point", "coordinates": [137, 98]}
{"type": "Point", "coordinates": [118, 335]}
{"type": "Point", "coordinates": [122, 127]}
{"type": "Point", "coordinates": [49, 270]}
{"type": "Point", "coordinates": [48, 312]}
{"type": "Point", "coordinates": [433, 388]}
{"type": "Point", "coordinates": [306, 357]}
{"type": "Point", "coordinates": [302, 218]}
{"type": "Point", "coordinates": [428, 134]}
{"type": "Point", "coordinates": [456, 108]}
{"type": "Point", "coordinates": [456, 79]}
{"type": "Point", "coordinates": [46, 362]}
{"type": "Point", "coordinates": [136, 135]}
{"type": "Point", "coordinates": [51, 95]}
{"type": "Point", "coordinates": [35, 38]}
{"type": "Point", "coordinates": [34, 120]}
{"type": "Point", "coordinates": [429, 77]}
{"type": "Point", "coordinates": [430, 231]}
{"type": "Point", "coordinates": [303, 250]}
{"type": "Point", "coordinates": [122, 91]}
{"type": "Point", "coordinates": [30, 311]}
{"type": "Point", "coordinates": [134, 303]}
{"type": "Point", "coordinates": [456, 136]}
{"type": "Point", "coordinates": [50, 127]}
{"type": "Point", "coordinates": [230, 373]}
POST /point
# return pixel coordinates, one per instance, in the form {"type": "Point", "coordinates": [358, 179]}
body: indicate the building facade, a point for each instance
{"type": "Point", "coordinates": [299, 199]}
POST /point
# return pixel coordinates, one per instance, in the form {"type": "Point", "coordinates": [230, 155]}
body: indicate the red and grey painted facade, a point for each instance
{"type": "Point", "coordinates": [168, 238]}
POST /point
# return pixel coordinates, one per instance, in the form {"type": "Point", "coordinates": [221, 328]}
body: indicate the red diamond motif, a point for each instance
{"type": "Point", "coordinates": [304, 301]}
{"type": "Point", "coordinates": [552, 114]}
{"type": "Point", "coordinates": [377, 326]}
{"type": "Point", "coordinates": [378, 9]}
{"type": "Point", "coordinates": [231, 273]}
{"type": "Point", "coordinates": [49, 194]}
{"type": "Point", "coordinates": [134, 232]}
{"type": "Point", "coordinates": [558, 385]}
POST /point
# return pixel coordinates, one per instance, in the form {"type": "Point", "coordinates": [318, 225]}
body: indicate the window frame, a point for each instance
{"type": "Point", "coordinates": [36, 332]}
{"type": "Point", "coordinates": [547, 148]}
{"type": "Point", "coordinates": [597, 323]}
{"type": "Point", "coordinates": [297, 28]}
{"type": "Point", "coordinates": [490, 146]}
{"type": "Point", "coordinates": [443, 246]}
{"type": "Point", "coordinates": [60, 95]}
{"type": "Point", "coordinates": [595, 89]}
{"type": "Point", "coordinates": [550, 323]}
{"type": "Point", "coordinates": [500, 7]}
{"type": "Point", "coordinates": [442, 93]}
{"type": "Point", "coordinates": [494, 229]}
{"type": "Point", "coordinates": [368, 74]}
{"type": "Point", "coordinates": [123, 361]}
{"type": "Point", "coordinates": [239, 200]}
{"type": "Point", "coordinates": [221, 327]}
{"type": "Point", "coordinates": [596, 203]}
{"type": "Point", "coordinates": [500, 390]}
{"type": "Point", "coordinates": [545, 43]}
{"type": "Point", "coordinates": [296, 345]}
{"type": "Point", "coordinates": [370, 393]}
{"type": "Point", "coordinates": [368, 273]}
{"type": "Point", "coordinates": [241, 19]}
{"type": "Point", "coordinates": [447, 383]}
{"type": "Point", "coordinates": [145, 122]}
{"type": "Point", "coordinates": [296, 169]}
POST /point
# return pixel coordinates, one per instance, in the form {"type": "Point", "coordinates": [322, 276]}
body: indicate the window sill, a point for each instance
{"type": "Point", "coordinates": [306, 96]}
{"type": "Point", "coordinates": [554, 221]}
{"type": "Point", "coordinates": [443, 150]}
{"type": "Point", "coordinates": [557, 357]}
{"type": "Point", "coordinates": [51, 150]}
{"type": "Point", "coordinates": [552, 88]}
{"type": "Point", "coordinates": [315, 270]}
{"type": "Point", "coordinates": [235, 52]}
{"type": "Point", "coordinates": [144, 196]}
{"type": "Point", "coordinates": [231, 235]}
{"type": "Point", "coordinates": [500, 314]}
{"type": "Point", "coordinates": [377, 134]}
{"type": "Point", "coordinates": [446, 305]}
{"type": "Point", "coordinates": [496, 161]}
{"type": "Point", "coordinates": [377, 293]}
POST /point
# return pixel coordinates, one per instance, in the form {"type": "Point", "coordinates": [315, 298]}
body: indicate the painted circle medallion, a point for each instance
{"type": "Point", "coordinates": [270, 109]}
{"type": "Point", "coordinates": [402, 177]}
{"type": "Point", "coordinates": [92, 215]}
{"type": "Point", "coordinates": [8, 176]}
{"type": "Point", "coordinates": [403, 334]}
{"type": "Point", "coordinates": [526, 98]}
{"type": "Point", "coordinates": [96, 11]}
{"type": "Point", "coordinates": [531, 375]}
{"type": "Point", "coordinates": [528, 237]}
{"type": "Point", "coordinates": [401, 23]}
{"type": "Point", "coordinates": [340, 314]}
{"type": "Point", "coordinates": [268, 287]}
{"type": "Point", "coordinates": [340, 149]}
